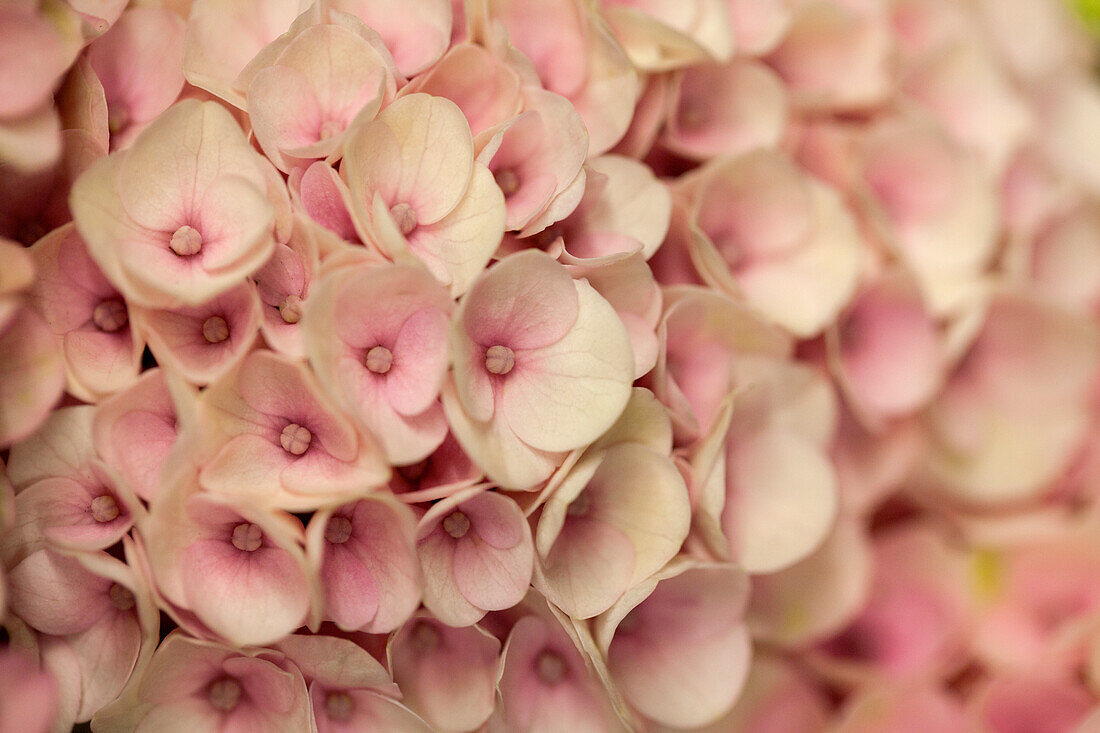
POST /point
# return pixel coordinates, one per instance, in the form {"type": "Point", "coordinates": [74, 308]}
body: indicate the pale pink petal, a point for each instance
{"type": "Point", "coordinates": [424, 654]}
{"type": "Point", "coordinates": [249, 597]}
{"type": "Point", "coordinates": [139, 62]}
{"type": "Point", "coordinates": [223, 36]}
{"type": "Point", "coordinates": [782, 500]}
{"type": "Point", "coordinates": [495, 448]}
{"type": "Point", "coordinates": [34, 375]}
{"type": "Point", "coordinates": [484, 88]}
{"type": "Point", "coordinates": [416, 33]}
{"type": "Point", "coordinates": [728, 109]}
{"type": "Point", "coordinates": [565, 395]}
{"type": "Point", "coordinates": [418, 152]}
{"type": "Point", "coordinates": [681, 656]}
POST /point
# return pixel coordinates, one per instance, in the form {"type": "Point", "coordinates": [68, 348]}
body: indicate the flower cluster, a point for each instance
{"type": "Point", "coordinates": [549, 365]}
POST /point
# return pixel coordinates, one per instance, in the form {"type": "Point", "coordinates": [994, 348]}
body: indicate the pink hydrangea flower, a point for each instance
{"type": "Point", "coordinates": [300, 108]}
{"type": "Point", "coordinates": [476, 555]}
{"type": "Point", "coordinates": [536, 160]}
{"type": "Point", "coordinates": [424, 655]}
{"type": "Point", "coordinates": [284, 284]}
{"type": "Point", "coordinates": [605, 528]}
{"type": "Point", "coordinates": [514, 346]}
{"type": "Point", "coordinates": [574, 56]}
{"type": "Point", "coordinates": [364, 556]}
{"type": "Point", "coordinates": [780, 239]}
{"type": "Point", "coordinates": [98, 623]}
{"type": "Point", "coordinates": [66, 496]}
{"type": "Point", "coordinates": [415, 185]}
{"type": "Point", "coordinates": [203, 342]}
{"type": "Point", "coordinates": [272, 437]}
{"type": "Point", "coordinates": [87, 314]}
{"type": "Point", "coordinates": [726, 109]}
{"type": "Point", "coordinates": [202, 685]}
{"type": "Point", "coordinates": [181, 238]}
{"type": "Point", "coordinates": [238, 573]}
{"type": "Point", "coordinates": [377, 338]}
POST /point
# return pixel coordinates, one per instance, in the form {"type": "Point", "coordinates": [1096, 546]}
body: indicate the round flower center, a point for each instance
{"type": "Point", "coordinates": [215, 330]}
{"type": "Point", "coordinates": [507, 180]}
{"type": "Point", "coordinates": [338, 705]}
{"type": "Point", "coordinates": [121, 597]}
{"type": "Point", "coordinates": [550, 666]}
{"type": "Point", "coordinates": [104, 508]}
{"type": "Point", "coordinates": [404, 217]}
{"type": "Point", "coordinates": [456, 525]}
{"type": "Point", "coordinates": [247, 537]}
{"type": "Point", "coordinates": [329, 128]}
{"type": "Point", "coordinates": [295, 439]}
{"type": "Point", "coordinates": [379, 359]}
{"type": "Point", "coordinates": [338, 530]}
{"type": "Point", "coordinates": [186, 241]}
{"type": "Point", "coordinates": [224, 693]}
{"type": "Point", "coordinates": [291, 309]}
{"type": "Point", "coordinates": [110, 315]}
{"type": "Point", "coordinates": [499, 359]}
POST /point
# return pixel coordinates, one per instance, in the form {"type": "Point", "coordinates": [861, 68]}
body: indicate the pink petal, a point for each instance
{"type": "Point", "coordinates": [588, 372]}
{"type": "Point", "coordinates": [424, 653]}
{"type": "Point", "coordinates": [57, 594]}
{"type": "Point", "coordinates": [33, 375]}
{"type": "Point", "coordinates": [251, 598]}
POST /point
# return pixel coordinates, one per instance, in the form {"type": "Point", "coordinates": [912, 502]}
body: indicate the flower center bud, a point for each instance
{"type": "Point", "coordinates": [291, 309]}
{"type": "Point", "coordinates": [215, 330]}
{"type": "Point", "coordinates": [507, 180]}
{"type": "Point", "coordinates": [338, 530]}
{"type": "Point", "coordinates": [247, 537]}
{"type": "Point", "coordinates": [550, 666]}
{"type": "Point", "coordinates": [186, 241]}
{"type": "Point", "coordinates": [224, 693]}
{"type": "Point", "coordinates": [404, 217]}
{"type": "Point", "coordinates": [379, 359]}
{"type": "Point", "coordinates": [295, 439]}
{"type": "Point", "coordinates": [457, 525]}
{"type": "Point", "coordinates": [338, 705]}
{"type": "Point", "coordinates": [329, 128]}
{"type": "Point", "coordinates": [110, 315]}
{"type": "Point", "coordinates": [121, 597]}
{"type": "Point", "coordinates": [499, 359]}
{"type": "Point", "coordinates": [104, 509]}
